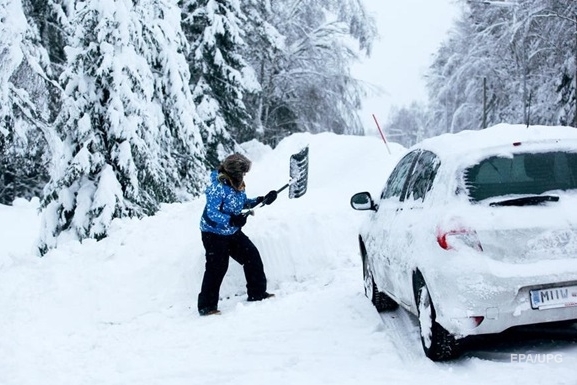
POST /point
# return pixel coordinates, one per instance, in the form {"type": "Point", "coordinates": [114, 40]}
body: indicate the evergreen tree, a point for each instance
{"type": "Point", "coordinates": [24, 104]}
{"type": "Point", "coordinates": [50, 18]}
{"type": "Point", "coordinates": [127, 121]}
{"type": "Point", "coordinates": [264, 42]}
{"type": "Point", "coordinates": [220, 77]}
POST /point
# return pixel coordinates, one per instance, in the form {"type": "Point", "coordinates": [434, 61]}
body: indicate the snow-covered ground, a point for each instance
{"type": "Point", "coordinates": [123, 310]}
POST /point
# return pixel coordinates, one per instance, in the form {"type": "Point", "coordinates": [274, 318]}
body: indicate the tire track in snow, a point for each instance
{"type": "Point", "coordinates": [403, 331]}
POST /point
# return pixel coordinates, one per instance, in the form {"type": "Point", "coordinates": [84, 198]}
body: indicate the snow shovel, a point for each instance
{"type": "Point", "coordinates": [298, 172]}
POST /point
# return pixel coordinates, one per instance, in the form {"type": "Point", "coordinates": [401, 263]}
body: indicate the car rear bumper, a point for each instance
{"type": "Point", "coordinates": [497, 320]}
{"type": "Point", "coordinates": [501, 309]}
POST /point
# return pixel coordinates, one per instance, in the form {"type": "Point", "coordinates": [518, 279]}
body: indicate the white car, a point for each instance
{"type": "Point", "coordinates": [475, 233]}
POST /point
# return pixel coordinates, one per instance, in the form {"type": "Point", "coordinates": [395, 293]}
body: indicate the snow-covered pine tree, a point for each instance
{"type": "Point", "coordinates": [24, 104]}
{"type": "Point", "coordinates": [264, 42]}
{"type": "Point", "coordinates": [127, 121]}
{"type": "Point", "coordinates": [184, 150]}
{"type": "Point", "coordinates": [220, 78]}
{"type": "Point", "coordinates": [51, 20]}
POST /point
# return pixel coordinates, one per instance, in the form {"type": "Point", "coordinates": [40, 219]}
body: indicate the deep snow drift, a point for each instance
{"type": "Point", "coordinates": [123, 310]}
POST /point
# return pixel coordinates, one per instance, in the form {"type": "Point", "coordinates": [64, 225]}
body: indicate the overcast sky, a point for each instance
{"type": "Point", "coordinates": [410, 32]}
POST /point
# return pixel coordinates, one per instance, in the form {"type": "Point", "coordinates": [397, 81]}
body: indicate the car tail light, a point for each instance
{"type": "Point", "coordinates": [451, 239]}
{"type": "Point", "coordinates": [477, 320]}
{"type": "Point", "coordinates": [469, 323]}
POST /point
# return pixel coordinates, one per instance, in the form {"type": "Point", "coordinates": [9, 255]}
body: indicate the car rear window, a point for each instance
{"type": "Point", "coordinates": [522, 174]}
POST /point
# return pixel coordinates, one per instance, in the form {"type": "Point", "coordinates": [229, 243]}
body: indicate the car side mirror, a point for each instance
{"type": "Point", "coordinates": [363, 201]}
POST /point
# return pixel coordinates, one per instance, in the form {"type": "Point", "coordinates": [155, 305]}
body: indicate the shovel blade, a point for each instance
{"type": "Point", "coordinates": [299, 170]}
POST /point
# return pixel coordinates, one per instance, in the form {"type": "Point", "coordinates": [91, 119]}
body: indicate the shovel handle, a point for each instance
{"type": "Point", "coordinates": [251, 211]}
{"type": "Point", "coordinates": [292, 181]}
{"type": "Point", "coordinates": [283, 187]}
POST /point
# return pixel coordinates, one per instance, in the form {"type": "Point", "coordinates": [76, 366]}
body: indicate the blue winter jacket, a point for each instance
{"type": "Point", "coordinates": [222, 201]}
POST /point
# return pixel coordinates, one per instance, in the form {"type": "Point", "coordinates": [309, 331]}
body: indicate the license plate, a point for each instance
{"type": "Point", "coordinates": [554, 297]}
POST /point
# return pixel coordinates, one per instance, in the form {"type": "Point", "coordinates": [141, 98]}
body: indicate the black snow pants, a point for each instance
{"type": "Point", "coordinates": [218, 249]}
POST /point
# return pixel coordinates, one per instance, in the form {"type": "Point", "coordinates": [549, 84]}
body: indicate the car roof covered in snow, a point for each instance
{"type": "Point", "coordinates": [469, 144]}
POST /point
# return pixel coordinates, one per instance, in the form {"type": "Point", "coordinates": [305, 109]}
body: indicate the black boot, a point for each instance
{"type": "Point", "coordinates": [208, 311]}
{"type": "Point", "coordinates": [265, 295]}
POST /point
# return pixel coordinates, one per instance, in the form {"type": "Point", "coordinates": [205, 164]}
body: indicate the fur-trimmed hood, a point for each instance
{"type": "Point", "coordinates": [232, 169]}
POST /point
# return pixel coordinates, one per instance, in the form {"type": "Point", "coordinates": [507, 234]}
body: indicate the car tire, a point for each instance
{"type": "Point", "coordinates": [380, 300]}
{"type": "Point", "coordinates": [438, 343]}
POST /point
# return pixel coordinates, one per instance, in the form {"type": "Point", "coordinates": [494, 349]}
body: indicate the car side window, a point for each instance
{"type": "Point", "coordinates": [397, 180]}
{"type": "Point", "coordinates": [421, 179]}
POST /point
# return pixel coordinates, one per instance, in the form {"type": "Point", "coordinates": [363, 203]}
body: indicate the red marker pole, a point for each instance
{"type": "Point", "coordinates": [382, 135]}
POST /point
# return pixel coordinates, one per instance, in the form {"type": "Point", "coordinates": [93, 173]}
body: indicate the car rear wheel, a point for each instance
{"type": "Point", "coordinates": [438, 343]}
{"type": "Point", "coordinates": [380, 300]}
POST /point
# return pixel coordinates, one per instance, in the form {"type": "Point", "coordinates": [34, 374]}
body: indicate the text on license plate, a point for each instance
{"type": "Point", "coordinates": [554, 297]}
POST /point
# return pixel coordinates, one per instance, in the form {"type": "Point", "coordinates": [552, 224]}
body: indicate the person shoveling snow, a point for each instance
{"type": "Point", "coordinates": [226, 212]}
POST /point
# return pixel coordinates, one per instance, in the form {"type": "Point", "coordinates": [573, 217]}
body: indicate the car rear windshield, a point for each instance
{"type": "Point", "coordinates": [522, 174]}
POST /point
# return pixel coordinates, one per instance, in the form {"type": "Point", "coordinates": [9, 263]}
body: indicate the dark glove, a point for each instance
{"type": "Point", "coordinates": [270, 197]}
{"type": "Point", "coordinates": [237, 220]}
{"type": "Point", "coordinates": [257, 201]}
